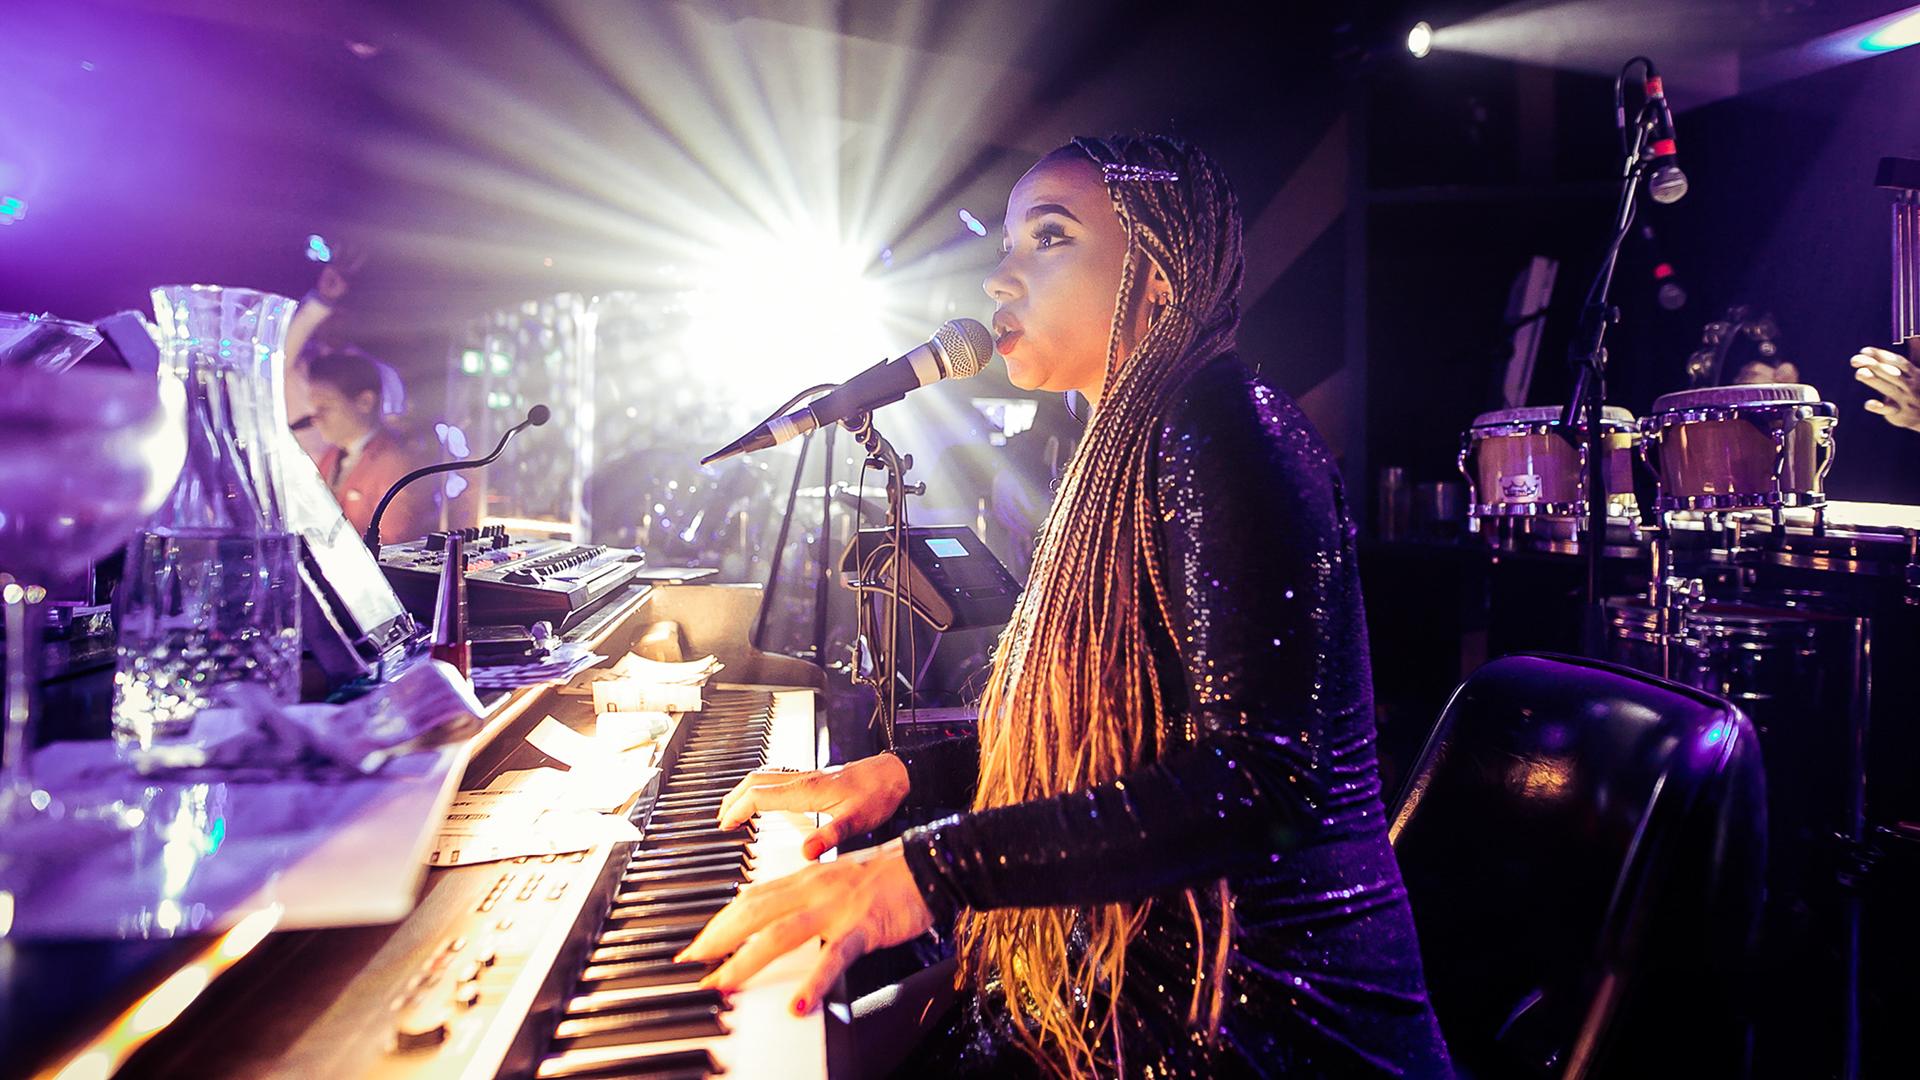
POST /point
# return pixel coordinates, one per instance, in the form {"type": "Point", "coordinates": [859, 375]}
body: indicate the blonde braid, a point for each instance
{"type": "Point", "coordinates": [1074, 697]}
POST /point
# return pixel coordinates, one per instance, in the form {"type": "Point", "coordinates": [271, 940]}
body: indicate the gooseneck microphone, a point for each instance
{"type": "Point", "coordinates": [961, 348]}
{"type": "Point", "coordinates": [536, 417]}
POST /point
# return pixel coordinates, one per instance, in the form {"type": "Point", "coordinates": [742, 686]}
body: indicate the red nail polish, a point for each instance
{"type": "Point", "coordinates": [800, 1006]}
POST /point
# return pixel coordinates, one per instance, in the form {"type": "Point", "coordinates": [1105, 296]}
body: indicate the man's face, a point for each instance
{"type": "Point", "coordinates": [338, 418]}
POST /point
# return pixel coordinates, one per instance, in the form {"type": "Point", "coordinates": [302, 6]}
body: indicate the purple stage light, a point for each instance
{"type": "Point", "coordinates": [12, 209]}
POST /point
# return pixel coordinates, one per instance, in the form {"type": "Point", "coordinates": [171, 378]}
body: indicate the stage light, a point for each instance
{"type": "Point", "coordinates": [12, 209]}
{"type": "Point", "coordinates": [317, 248]}
{"type": "Point", "coordinates": [972, 223]}
{"type": "Point", "coordinates": [1897, 34]}
{"type": "Point", "coordinates": [786, 310]}
{"type": "Point", "coordinates": [1420, 39]}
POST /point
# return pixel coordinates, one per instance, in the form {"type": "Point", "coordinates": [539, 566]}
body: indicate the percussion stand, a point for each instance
{"type": "Point", "coordinates": [1587, 353]}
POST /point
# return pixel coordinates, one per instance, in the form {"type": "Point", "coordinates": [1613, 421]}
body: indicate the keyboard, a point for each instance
{"type": "Point", "coordinates": [511, 580]}
{"type": "Point", "coordinates": [633, 1011]}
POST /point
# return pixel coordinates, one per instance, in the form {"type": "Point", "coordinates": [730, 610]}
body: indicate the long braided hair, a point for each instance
{"type": "Point", "coordinates": [1073, 700]}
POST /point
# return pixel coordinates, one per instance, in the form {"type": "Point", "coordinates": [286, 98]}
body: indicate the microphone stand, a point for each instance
{"type": "Point", "coordinates": [372, 536]}
{"type": "Point", "coordinates": [823, 579]}
{"type": "Point", "coordinates": [780, 545]}
{"type": "Point", "coordinates": [885, 679]}
{"type": "Point", "coordinates": [1588, 354]}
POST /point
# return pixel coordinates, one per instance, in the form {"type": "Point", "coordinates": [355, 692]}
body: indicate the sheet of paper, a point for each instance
{"type": "Point", "coordinates": [507, 825]}
{"type": "Point", "coordinates": [684, 673]}
{"type": "Point", "coordinates": [599, 776]}
{"type": "Point", "coordinates": [563, 744]}
{"type": "Point", "coordinates": [625, 730]}
{"type": "Point", "coordinates": [631, 695]}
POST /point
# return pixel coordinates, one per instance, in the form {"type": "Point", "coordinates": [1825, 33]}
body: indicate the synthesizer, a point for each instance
{"type": "Point", "coordinates": [553, 967]}
{"type": "Point", "coordinates": [511, 579]}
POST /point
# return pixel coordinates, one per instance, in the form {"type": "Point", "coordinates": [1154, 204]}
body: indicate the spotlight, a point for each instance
{"type": "Point", "coordinates": [12, 209]}
{"type": "Point", "coordinates": [973, 223]}
{"type": "Point", "coordinates": [1897, 34]}
{"type": "Point", "coordinates": [1420, 39]}
{"type": "Point", "coordinates": [317, 248]}
{"type": "Point", "coordinates": [793, 305]}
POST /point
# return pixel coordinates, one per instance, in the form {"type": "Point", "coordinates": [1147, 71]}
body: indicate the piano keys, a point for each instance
{"type": "Point", "coordinates": [558, 966]}
{"type": "Point", "coordinates": [634, 1011]}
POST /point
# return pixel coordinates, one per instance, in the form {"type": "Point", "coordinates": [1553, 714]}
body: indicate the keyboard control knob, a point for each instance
{"type": "Point", "coordinates": [423, 1026]}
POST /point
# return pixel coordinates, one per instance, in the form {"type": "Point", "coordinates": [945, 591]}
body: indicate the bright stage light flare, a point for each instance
{"type": "Point", "coordinates": [786, 311]}
{"type": "Point", "coordinates": [1420, 39]}
{"type": "Point", "coordinates": [1897, 34]}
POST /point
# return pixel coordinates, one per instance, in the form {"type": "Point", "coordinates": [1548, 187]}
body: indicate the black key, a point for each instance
{"type": "Point", "coordinates": [641, 1026]}
{"type": "Point", "coordinates": [672, 894]}
{"type": "Point", "coordinates": [645, 973]}
{"type": "Point", "coordinates": [667, 814]}
{"type": "Point", "coordinates": [730, 871]}
{"type": "Point", "coordinates": [736, 741]}
{"type": "Point", "coordinates": [672, 1065]}
{"type": "Point", "coordinates": [631, 1000]}
{"type": "Point", "coordinates": [692, 846]}
{"type": "Point", "coordinates": [692, 829]}
{"type": "Point", "coordinates": [648, 861]}
{"type": "Point", "coordinates": [744, 746]}
{"type": "Point", "coordinates": [690, 802]}
{"type": "Point", "coordinates": [712, 789]}
{"type": "Point", "coordinates": [650, 914]}
{"type": "Point", "coordinates": [646, 950]}
{"type": "Point", "coordinates": [676, 932]}
{"type": "Point", "coordinates": [728, 773]}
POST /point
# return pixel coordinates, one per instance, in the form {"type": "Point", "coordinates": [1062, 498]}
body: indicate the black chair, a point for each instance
{"type": "Point", "coordinates": [1584, 847]}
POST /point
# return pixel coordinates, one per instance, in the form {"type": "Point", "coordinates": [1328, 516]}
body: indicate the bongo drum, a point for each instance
{"type": "Point", "coordinates": [1740, 447]}
{"type": "Point", "coordinates": [1524, 463]}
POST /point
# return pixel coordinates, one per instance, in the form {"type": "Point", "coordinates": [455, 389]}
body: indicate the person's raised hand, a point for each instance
{"type": "Point", "coordinates": [1896, 380]}
{"type": "Point", "coordinates": [860, 796]}
{"type": "Point", "coordinates": [336, 275]}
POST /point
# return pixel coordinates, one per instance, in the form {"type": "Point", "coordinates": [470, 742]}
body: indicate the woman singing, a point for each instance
{"type": "Point", "coordinates": [1176, 861]}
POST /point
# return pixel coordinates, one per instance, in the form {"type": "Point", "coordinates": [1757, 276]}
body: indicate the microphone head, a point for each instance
{"type": "Point", "coordinates": [539, 415]}
{"type": "Point", "coordinates": [1667, 184]}
{"type": "Point", "coordinates": [965, 345]}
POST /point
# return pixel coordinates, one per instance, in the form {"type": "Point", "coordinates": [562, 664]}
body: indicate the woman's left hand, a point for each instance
{"type": "Point", "coordinates": [863, 901]}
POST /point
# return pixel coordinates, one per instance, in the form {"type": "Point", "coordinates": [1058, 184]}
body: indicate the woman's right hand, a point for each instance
{"type": "Point", "coordinates": [860, 796]}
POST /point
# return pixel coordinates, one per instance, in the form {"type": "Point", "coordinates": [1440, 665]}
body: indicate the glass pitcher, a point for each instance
{"type": "Point", "coordinates": [211, 595]}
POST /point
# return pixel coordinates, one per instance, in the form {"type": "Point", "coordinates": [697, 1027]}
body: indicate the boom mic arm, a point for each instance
{"type": "Point", "coordinates": [536, 417]}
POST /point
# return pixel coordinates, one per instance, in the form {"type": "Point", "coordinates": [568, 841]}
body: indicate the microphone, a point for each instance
{"type": "Point", "coordinates": [1667, 184]}
{"type": "Point", "coordinates": [536, 417]}
{"type": "Point", "coordinates": [961, 348]}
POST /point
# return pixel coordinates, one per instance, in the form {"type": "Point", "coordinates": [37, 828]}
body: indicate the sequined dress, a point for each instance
{"type": "Point", "coordinates": [1270, 782]}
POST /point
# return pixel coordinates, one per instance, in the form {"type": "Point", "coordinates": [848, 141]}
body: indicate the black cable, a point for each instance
{"type": "Point", "coordinates": [812, 391]}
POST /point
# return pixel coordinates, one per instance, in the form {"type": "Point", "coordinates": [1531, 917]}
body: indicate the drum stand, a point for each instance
{"type": "Point", "coordinates": [1674, 597]}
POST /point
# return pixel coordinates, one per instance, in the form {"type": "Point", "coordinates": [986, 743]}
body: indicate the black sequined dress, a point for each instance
{"type": "Point", "coordinates": [1273, 785]}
